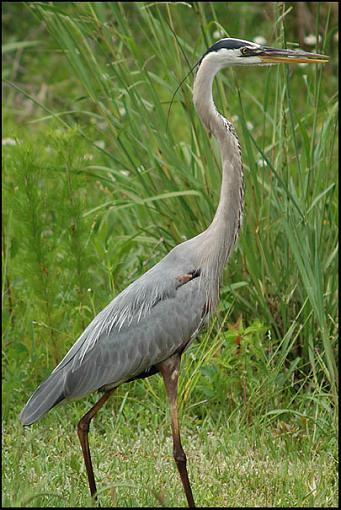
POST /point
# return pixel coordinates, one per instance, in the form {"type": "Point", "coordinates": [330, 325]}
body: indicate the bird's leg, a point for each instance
{"type": "Point", "coordinates": [82, 430]}
{"type": "Point", "coordinates": [170, 373]}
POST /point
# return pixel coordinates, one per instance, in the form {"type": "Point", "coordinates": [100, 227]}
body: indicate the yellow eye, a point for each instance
{"type": "Point", "coordinates": [245, 50]}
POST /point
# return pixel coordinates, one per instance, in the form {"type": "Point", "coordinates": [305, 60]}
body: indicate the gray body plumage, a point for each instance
{"type": "Point", "coordinates": [158, 314]}
{"type": "Point", "coordinates": [149, 321]}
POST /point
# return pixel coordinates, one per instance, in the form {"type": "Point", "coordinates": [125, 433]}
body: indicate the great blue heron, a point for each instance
{"type": "Point", "coordinates": [147, 327]}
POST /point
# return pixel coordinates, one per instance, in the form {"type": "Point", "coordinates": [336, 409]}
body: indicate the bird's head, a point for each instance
{"type": "Point", "coordinates": [237, 52]}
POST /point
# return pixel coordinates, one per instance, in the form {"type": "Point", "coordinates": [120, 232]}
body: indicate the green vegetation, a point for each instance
{"type": "Point", "coordinates": [99, 182]}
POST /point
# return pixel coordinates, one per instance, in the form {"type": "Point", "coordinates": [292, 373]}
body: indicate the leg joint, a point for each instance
{"type": "Point", "coordinates": [179, 456]}
{"type": "Point", "coordinates": [83, 426]}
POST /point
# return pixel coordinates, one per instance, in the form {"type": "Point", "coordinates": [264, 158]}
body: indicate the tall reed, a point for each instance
{"type": "Point", "coordinates": [128, 59]}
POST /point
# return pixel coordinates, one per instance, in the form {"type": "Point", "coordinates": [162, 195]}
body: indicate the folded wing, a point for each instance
{"type": "Point", "coordinates": [150, 320]}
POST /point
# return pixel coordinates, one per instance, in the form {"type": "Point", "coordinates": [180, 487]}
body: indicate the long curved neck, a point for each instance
{"type": "Point", "coordinates": [223, 231]}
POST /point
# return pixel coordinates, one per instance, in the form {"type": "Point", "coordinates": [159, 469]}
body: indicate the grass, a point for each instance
{"type": "Point", "coordinates": [99, 184]}
{"type": "Point", "coordinates": [230, 464]}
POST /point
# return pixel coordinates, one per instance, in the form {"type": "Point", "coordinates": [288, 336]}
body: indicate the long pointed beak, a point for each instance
{"type": "Point", "coordinates": [273, 55]}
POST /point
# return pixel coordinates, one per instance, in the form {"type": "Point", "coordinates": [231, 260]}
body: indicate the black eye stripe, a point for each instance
{"type": "Point", "coordinates": [228, 44]}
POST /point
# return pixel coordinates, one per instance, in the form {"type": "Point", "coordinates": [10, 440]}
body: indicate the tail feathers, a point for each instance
{"type": "Point", "coordinates": [46, 396]}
